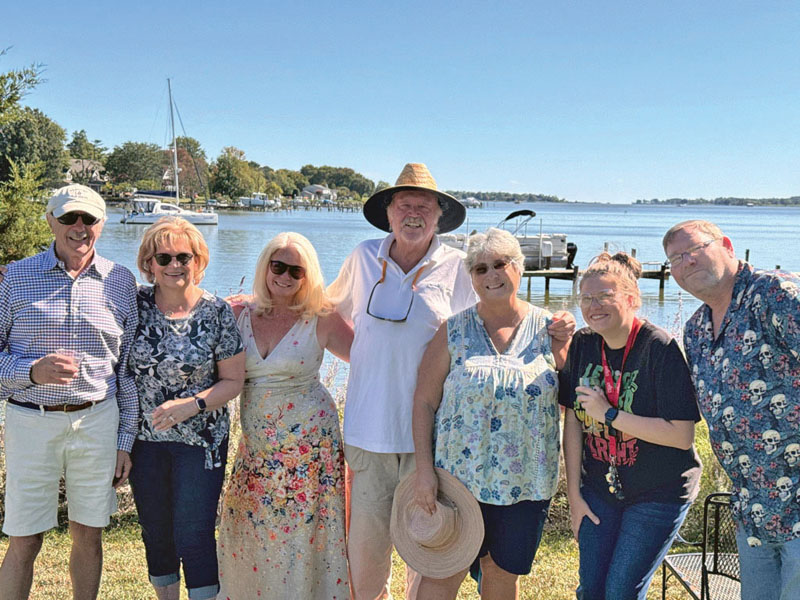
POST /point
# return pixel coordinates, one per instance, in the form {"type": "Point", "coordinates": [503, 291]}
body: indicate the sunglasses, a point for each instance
{"type": "Point", "coordinates": [71, 218]}
{"type": "Point", "coordinates": [498, 265]}
{"type": "Point", "coordinates": [279, 268]}
{"type": "Point", "coordinates": [163, 259]}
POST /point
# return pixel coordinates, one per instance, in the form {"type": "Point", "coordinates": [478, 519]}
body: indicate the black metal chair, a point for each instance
{"type": "Point", "coordinates": [712, 573]}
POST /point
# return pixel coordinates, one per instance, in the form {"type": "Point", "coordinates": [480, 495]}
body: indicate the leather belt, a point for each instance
{"type": "Point", "coordinates": [54, 408]}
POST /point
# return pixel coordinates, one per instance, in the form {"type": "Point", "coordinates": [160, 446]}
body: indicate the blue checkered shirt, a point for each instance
{"type": "Point", "coordinates": [43, 309]}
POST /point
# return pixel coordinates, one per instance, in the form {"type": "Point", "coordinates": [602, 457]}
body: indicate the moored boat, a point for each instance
{"type": "Point", "coordinates": [146, 211]}
{"type": "Point", "coordinates": [541, 250]}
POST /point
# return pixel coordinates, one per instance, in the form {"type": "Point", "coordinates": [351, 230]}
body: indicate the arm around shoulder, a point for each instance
{"type": "Point", "coordinates": [335, 335]}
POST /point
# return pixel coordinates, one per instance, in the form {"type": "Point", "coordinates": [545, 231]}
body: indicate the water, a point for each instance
{"type": "Point", "coordinates": [768, 232]}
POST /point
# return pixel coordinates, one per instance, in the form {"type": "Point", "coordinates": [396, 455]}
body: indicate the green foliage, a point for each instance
{"type": "Point", "coordinates": [505, 196]}
{"type": "Point", "coordinates": [336, 177]}
{"type": "Point", "coordinates": [135, 161]}
{"type": "Point", "coordinates": [81, 147]}
{"type": "Point", "coordinates": [23, 231]}
{"type": "Point", "coordinates": [28, 137]}
{"type": "Point", "coordinates": [233, 176]}
{"type": "Point", "coordinates": [14, 85]}
{"type": "Point", "coordinates": [192, 146]}
{"type": "Point", "coordinates": [381, 185]}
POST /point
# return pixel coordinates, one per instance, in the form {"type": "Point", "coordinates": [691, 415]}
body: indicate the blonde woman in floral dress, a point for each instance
{"type": "Point", "coordinates": [282, 533]}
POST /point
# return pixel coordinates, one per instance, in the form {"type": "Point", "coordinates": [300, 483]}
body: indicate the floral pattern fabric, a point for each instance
{"type": "Point", "coordinates": [497, 427]}
{"type": "Point", "coordinates": [177, 358]}
{"type": "Point", "coordinates": [282, 533]}
{"type": "Point", "coordinates": [748, 386]}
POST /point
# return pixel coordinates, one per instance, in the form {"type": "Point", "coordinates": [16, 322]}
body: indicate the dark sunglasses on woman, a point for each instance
{"type": "Point", "coordinates": [163, 259]}
{"type": "Point", "coordinates": [71, 218]}
{"type": "Point", "coordinates": [279, 268]}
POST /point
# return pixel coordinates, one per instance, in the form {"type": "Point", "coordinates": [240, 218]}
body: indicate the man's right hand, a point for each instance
{"type": "Point", "coordinates": [54, 368]}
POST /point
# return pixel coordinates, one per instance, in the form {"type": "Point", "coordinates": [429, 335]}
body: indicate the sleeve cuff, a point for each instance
{"type": "Point", "coordinates": [22, 375]}
{"type": "Point", "coordinates": [125, 442]}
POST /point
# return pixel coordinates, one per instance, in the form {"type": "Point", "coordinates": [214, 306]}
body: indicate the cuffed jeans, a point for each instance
{"type": "Point", "coordinates": [619, 556]}
{"type": "Point", "coordinates": [176, 498]}
{"type": "Point", "coordinates": [769, 571]}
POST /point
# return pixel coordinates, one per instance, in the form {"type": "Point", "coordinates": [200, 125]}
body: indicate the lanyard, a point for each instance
{"type": "Point", "coordinates": [413, 283]}
{"type": "Point", "coordinates": [613, 389]}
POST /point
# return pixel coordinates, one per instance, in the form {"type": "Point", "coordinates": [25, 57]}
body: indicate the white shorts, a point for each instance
{"type": "Point", "coordinates": [41, 447]}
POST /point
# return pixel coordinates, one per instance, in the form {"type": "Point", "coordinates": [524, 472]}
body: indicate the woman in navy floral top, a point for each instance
{"type": "Point", "coordinates": [188, 361]}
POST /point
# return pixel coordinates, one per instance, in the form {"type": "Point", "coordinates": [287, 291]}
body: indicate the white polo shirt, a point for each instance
{"type": "Point", "coordinates": [385, 355]}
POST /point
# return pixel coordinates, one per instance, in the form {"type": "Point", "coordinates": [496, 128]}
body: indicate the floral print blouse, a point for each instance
{"type": "Point", "coordinates": [497, 427]}
{"type": "Point", "coordinates": [177, 358]}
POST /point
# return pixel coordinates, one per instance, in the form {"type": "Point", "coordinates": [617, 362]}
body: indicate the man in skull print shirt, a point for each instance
{"type": "Point", "coordinates": [742, 345]}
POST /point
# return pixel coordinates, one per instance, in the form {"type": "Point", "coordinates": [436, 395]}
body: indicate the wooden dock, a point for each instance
{"type": "Point", "coordinates": [659, 271]}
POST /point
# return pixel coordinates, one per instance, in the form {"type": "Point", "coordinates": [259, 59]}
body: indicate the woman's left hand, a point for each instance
{"type": "Point", "coordinates": [593, 401]}
{"type": "Point", "coordinates": [173, 412]}
{"type": "Point", "coordinates": [563, 326]}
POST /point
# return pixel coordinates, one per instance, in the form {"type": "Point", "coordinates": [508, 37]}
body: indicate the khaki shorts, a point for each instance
{"type": "Point", "coordinates": [41, 447]}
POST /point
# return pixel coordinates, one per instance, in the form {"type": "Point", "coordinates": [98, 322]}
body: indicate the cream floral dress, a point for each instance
{"type": "Point", "coordinates": [282, 534]}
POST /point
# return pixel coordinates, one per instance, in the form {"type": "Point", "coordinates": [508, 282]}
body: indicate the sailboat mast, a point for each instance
{"type": "Point", "coordinates": [174, 143]}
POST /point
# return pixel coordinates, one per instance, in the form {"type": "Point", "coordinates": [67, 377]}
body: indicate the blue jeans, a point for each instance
{"type": "Point", "coordinates": [176, 498]}
{"type": "Point", "coordinates": [619, 556]}
{"type": "Point", "coordinates": [769, 571]}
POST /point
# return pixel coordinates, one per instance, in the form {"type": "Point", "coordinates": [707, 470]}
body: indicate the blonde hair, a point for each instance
{"type": "Point", "coordinates": [623, 268]}
{"type": "Point", "coordinates": [695, 224]}
{"type": "Point", "coordinates": [310, 299]}
{"type": "Point", "coordinates": [169, 230]}
{"type": "Point", "coordinates": [497, 241]}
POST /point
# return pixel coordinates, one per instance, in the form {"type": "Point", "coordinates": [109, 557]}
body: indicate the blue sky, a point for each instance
{"type": "Point", "coordinates": [590, 101]}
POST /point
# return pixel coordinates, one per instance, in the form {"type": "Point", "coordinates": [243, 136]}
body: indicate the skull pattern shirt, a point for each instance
{"type": "Point", "coordinates": [748, 387]}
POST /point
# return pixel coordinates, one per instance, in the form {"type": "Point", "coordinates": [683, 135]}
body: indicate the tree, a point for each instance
{"type": "Point", "coordinates": [231, 175]}
{"type": "Point", "coordinates": [81, 147]}
{"type": "Point", "coordinates": [14, 85]}
{"type": "Point", "coordinates": [23, 231]}
{"type": "Point", "coordinates": [135, 162]}
{"type": "Point", "coordinates": [381, 185]}
{"type": "Point", "coordinates": [192, 146]}
{"type": "Point", "coordinates": [192, 171]}
{"type": "Point", "coordinates": [29, 137]}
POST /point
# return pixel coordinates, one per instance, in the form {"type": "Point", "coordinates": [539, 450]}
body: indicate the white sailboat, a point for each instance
{"type": "Point", "coordinates": [147, 209]}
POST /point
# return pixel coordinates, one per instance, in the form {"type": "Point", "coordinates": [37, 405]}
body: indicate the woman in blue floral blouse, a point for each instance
{"type": "Point", "coordinates": [486, 410]}
{"type": "Point", "coordinates": [188, 361]}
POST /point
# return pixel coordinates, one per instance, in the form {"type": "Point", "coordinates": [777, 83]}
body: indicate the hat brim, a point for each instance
{"type": "Point", "coordinates": [79, 206]}
{"type": "Point", "coordinates": [453, 212]}
{"type": "Point", "coordinates": [454, 557]}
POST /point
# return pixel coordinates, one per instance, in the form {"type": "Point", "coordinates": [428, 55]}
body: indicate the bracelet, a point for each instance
{"type": "Point", "coordinates": [200, 403]}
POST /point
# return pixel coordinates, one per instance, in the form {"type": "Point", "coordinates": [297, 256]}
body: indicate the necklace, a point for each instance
{"type": "Point", "coordinates": [180, 326]}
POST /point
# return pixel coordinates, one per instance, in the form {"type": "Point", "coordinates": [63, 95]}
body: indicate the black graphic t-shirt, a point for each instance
{"type": "Point", "coordinates": [656, 383]}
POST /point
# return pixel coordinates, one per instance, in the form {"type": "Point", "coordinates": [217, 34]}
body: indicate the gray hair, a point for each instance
{"type": "Point", "coordinates": [494, 241]}
{"type": "Point", "coordinates": [695, 224]}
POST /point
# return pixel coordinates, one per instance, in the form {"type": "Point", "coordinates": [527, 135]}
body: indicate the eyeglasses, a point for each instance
{"type": "Point", "coordinates": [498, 265]}
{"type": "Point", "coordinates": [71, 218]}
{"type": "Point", "coordinates": [603, 298]}
{"type": "Point", "coordinates": [163, 259]}
{"type": "Point", "coordinates": [677, 259]}
{"type": "Point", "coordinates": [279, 268]}
{"type": "Point", "coordinates": [410, 304]}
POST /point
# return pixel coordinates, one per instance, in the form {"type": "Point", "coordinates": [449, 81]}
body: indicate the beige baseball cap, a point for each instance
{"type": "Point", "coordinates": [76, 198]}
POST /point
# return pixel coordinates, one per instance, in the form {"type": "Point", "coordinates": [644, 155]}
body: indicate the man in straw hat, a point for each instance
{"type": "Point", "coordinates": [396, 291]}
{"type": "Point", "coordinates": [67, 320]}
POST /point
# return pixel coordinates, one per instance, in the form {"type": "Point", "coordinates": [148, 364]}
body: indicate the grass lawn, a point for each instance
{"type": "Point", "coordinates": [554, 575]}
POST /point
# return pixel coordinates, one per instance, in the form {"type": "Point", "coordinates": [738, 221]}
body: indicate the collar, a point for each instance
{"type": "Point", "coordinates": [431, 256]}
{"type": "Point", "coordinates": [744, 276]}
{"type": "Point", "coordinates": [99, 267]}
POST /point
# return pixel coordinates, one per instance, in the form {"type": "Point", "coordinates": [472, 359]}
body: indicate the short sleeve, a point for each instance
{"type": "Point", "coordinates": [230, 340]}
{"type": "Point", "coordinates": [676, 398]}
{"type": "Point", "coordinates": [566, 389]}
{"type": "Point", "coordinates": [340, 291]}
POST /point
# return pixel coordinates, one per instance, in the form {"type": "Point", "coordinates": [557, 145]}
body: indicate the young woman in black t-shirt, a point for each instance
{"type": "Point", "coordinates": [628, 435]}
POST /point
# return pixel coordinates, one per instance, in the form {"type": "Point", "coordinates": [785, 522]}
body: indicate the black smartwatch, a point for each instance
{"type": "Point", "coordinates": [201, 404]}
{"type": "Point", "coordinates": [610, 415]}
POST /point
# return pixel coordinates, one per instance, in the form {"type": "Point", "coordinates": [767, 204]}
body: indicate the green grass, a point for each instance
{"type": "Point", "coordinates": [554, 575]}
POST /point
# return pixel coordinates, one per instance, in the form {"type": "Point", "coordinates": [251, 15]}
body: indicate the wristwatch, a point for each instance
{"type": "Point", "coordinates": [610, 415]}
{"type": "Point", "coordinates": [201, 404]}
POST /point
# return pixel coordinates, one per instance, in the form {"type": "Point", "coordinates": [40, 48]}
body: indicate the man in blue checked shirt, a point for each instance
{"type": "Point", "coordinates": [742, 345]}
{"type": "Point", "coordinates": [67, 320]}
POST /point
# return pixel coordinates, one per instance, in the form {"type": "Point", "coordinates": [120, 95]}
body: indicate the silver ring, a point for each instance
{"type": "Point", "coordinates": [171, 418]}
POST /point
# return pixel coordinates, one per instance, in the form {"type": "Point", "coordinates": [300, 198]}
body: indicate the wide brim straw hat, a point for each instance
{"type": "Point", "coordinates": [442, 544]}
{"type": "Point", "coordinates": [415, 176]}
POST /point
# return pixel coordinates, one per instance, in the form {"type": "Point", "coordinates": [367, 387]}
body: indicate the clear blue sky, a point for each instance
{"type": "Point", "coordinates": [591, 101]}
